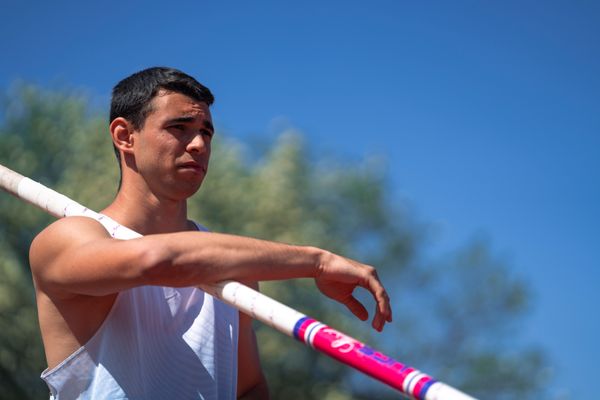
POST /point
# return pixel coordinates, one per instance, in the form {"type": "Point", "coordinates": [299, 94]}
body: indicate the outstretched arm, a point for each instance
{"type": "Point", "coordinates": [76, 255]}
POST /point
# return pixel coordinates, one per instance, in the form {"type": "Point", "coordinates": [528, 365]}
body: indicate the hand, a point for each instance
{"type": "Point", "coordinates": [337, 277]}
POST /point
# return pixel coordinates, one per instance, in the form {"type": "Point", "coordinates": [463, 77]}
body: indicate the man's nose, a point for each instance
{"type": "Point", "coordinates": [197, 144]}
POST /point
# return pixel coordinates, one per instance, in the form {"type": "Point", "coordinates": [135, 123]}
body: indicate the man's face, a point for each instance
{"type": "Point", "coordinates": [173, 147]}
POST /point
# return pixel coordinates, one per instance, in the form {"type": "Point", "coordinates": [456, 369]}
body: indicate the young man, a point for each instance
{"type": "Point", "coordinates": [123, 318]}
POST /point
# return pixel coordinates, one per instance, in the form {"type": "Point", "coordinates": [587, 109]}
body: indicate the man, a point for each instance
{"type": "Point", "coordinates": [123, 318]}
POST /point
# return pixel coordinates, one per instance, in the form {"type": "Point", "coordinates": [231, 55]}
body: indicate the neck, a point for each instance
{"type": "Point", "coordinates": [146, 213]}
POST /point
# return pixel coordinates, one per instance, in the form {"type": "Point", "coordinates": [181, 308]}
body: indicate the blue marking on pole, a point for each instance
{"type": "Point", "coordinates": [425, 388]}
{"type": "Point", "coordinates": [297, 327]}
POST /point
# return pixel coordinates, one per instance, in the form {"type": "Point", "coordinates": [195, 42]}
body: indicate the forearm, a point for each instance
{"type": "Point", "coordinates": [193, 258]}
{"type": "Point", "coordinates": [76, 255]}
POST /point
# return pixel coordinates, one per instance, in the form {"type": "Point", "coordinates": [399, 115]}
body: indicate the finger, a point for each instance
{"type": "Point", "coordinates": [383, 310]}
{"type": "Point", "coordinates": [386, 308]}
{"type": "Point", "coordinates": [378, 321]}
{"type": "Point", "coordinates": [357, 308]}
{"type": "Point", "coordinates": [381, 298]}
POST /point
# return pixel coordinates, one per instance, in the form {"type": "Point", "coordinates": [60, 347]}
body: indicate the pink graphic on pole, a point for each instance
{"type": "Point", "coordinates": [352, 352]}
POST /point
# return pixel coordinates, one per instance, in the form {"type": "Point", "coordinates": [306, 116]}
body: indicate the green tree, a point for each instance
{"type": "Point", "coordinates": [454, 318]}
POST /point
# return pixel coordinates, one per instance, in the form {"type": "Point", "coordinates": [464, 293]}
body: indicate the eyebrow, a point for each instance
{"type": "Point", "coordinates": [182, 120]}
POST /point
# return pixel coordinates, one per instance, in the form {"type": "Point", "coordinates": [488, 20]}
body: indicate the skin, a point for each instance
{"type": "Point", "coordinates": [78, 269]}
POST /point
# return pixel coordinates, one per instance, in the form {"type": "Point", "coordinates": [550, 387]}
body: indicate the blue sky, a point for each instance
{"type": "Point", "coordinates": [487, 113]}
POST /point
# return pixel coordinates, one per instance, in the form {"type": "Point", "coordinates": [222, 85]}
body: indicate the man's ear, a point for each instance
{"type": "Point", "coordinates": [121, 132]}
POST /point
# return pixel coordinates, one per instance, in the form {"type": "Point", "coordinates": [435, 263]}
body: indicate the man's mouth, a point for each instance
{"type": "Point", "coordinates": [192, 166]}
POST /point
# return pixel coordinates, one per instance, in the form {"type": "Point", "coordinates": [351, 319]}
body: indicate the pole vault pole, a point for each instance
{"type": "Point", "coordinates": [409, 381]}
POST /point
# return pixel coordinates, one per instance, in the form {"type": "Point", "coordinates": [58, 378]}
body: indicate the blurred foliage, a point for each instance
{"type": "Point", "coordinates": [456, 318]}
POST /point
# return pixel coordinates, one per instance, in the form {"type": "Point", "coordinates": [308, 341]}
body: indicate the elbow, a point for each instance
{"type": "Point", "coordinates": [161, 265]}
{"type": "Point", "coordinates": [155, 267]}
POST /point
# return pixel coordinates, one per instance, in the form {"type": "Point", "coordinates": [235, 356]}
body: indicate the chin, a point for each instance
{"type": "Point", "coordinates": [187, 191]}
{"type": "Point", "coordinates": [181, 188]}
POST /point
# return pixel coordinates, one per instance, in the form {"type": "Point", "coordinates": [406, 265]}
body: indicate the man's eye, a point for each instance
{"type": "Point", "coordinates": [178, 127]}
{"type": "Point", "coordinates": [206, 132]}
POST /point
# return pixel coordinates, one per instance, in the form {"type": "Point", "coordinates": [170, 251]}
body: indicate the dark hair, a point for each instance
{"type": "Point", "coordinates": [132, 97]}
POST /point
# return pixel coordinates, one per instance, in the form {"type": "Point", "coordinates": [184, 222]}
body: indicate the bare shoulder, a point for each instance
{"type": "Point", "coordinates": [67, 318]}
{"type": "Point", "coordinates": [59, 237]}
{"type": "Point", "coordinates": [64, 233]}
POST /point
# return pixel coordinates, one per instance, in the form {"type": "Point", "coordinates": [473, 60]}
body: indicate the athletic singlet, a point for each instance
{"type": "Point", "coordinates": [155, 343]}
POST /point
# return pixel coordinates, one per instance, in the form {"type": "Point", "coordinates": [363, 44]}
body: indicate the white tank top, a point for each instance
{"type": "Point", "coordinates": [155, 343]}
